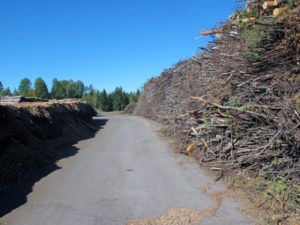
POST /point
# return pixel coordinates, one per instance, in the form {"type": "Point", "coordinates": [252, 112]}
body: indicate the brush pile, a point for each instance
{"type": "Point", "coordinates": [238, 102]}
{"type": "Point", "coordinates": [167, 96]}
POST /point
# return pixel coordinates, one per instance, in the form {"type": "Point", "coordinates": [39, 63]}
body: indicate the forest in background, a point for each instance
{"type": "Point", "coordinates": [114, 101]}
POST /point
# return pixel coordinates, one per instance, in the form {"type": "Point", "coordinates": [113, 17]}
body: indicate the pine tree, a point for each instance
{"type": "Point", "coordinates": [104, 100]}
{"type": "Point", "coordinates": [109, 103]}
{"type": "Point", "coordinates": [40, 88]}
{"type": "Point", "coordinates": [15, 92]}
{"type": "Point", "coordinates": [1, 87]}
{"type": "Point", "coordinates": [79, 89]}
{"type": "Point", "coordinates": [138, 93]}
{"type": "Point", "coordinates": [70, 89]}
{"type": "Point", "coordinates": [24, 87]}
{"type": "Point", "coordinates": [117, 99]}
{"type": "Point", "coordinates": [6, 92]}
{"type": "Point", "coordinates": [59, 89]}
{"type": "Point", "coordinates": [55, 87]}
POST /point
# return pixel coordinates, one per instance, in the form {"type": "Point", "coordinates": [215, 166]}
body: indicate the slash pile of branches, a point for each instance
{"type": "Point", "coordinates": [237, 103]}
{"type": "Point", "coordinates": [250, 116]}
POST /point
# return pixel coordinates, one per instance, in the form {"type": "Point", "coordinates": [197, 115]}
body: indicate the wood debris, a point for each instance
{"type": "Point", "coordinates": [268, 4]}
{"type": "Point", "coordinates": [238, 99]}
{"type": "Point", "coordinates": [190, 149]}
{"type": "Point", "coordinates": [210, 32]}
{"type": "Point", "coordinates": [277, 11]}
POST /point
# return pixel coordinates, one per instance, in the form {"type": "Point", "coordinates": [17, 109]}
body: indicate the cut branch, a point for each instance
{"type": "Point", "coordinates": [209, 32]}
{"type": "Point", "coordinates": [268, 4]}
{"type": "Point", "coordinates": [277, 11]}
{"type": "Point", "coordinates": [247, 20]}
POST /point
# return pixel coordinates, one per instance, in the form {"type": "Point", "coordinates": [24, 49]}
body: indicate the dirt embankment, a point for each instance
{"type": "Point", "coordinates": [31, 133]}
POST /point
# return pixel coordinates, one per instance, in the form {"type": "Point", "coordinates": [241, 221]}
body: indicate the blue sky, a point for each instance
{"type": "Point", "coordinates": [104, 43]}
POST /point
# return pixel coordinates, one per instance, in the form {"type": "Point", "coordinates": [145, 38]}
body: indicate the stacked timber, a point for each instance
{"type": "Point", "coordinates": [10, 99]}
{"type": "Point", "coordinates": [18, 99]}
{"type": "Point", "coordinates": [272, 4]}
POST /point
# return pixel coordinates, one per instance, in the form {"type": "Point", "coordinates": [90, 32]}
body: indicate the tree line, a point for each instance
{"type": "Point", "coordinates": [114, 101]}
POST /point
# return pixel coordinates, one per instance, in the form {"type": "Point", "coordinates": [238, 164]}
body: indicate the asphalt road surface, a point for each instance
{"type": "Point", "coordinates": [127, 172]}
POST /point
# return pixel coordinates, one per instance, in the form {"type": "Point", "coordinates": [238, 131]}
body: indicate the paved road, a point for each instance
{"type": "Point", "coordinates": [125, 172]}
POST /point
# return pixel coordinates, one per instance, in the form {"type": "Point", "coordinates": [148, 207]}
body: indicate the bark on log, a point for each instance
{"type": "Point", "coordinates": [209, 32]}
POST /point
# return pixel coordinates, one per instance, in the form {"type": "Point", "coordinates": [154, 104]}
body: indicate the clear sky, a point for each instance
{"type": "Point", "coordinates": [104, 43]}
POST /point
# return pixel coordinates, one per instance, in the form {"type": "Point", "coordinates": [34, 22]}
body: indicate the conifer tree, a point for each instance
{"type": "Point", "coordinates": [24, 87]}
{"type": "Point", "coordinates": [40, 88]}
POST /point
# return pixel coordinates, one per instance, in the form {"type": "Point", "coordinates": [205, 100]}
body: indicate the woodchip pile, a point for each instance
{"type": "Point", "coordinates": [31, 135]}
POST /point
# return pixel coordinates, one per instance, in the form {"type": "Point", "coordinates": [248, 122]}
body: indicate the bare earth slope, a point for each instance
{"type": "Point", "coordinates": [122, 175]}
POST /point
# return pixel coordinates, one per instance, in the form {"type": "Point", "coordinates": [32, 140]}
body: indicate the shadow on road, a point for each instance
{"type": "Point", "coordinates": [16, 195]}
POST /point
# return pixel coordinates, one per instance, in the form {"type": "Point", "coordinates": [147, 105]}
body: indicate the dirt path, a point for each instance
{"type": "Point", "coordinates": [126, 174]}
